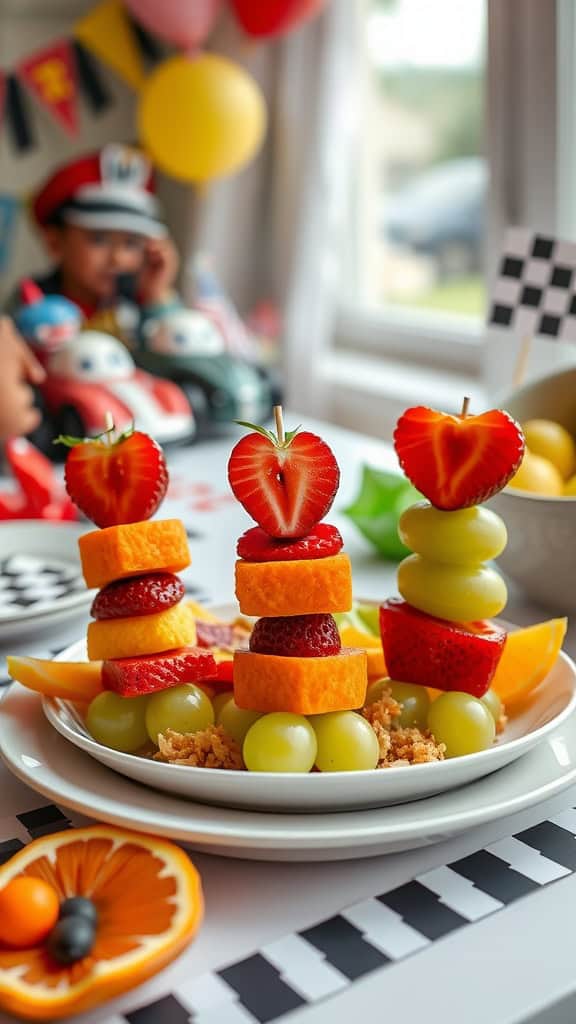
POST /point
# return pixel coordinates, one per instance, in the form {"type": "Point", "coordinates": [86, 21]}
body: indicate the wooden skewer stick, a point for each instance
{"type": "Point", "coordinates": [522, 361]}
{"type": "Point", "coordinates": [279, 424]}
{"type": "Point", "coordinates": [465, 406]}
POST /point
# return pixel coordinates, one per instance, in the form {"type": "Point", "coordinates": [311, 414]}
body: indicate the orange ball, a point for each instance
{"type": "Point", "coordinates": [29, 910]}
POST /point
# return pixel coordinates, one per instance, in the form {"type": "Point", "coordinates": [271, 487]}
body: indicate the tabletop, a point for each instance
{"type": "Point", "coordinates": [411, 934]}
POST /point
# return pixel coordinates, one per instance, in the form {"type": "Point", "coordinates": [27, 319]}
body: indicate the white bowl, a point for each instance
{"type": "Point", "coordinates": [541, 552]}
{"type": "Point", "coordinates": [548, 707]}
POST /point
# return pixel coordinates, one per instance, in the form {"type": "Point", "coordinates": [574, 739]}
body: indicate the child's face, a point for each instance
{"type": "Point", "coordinates": [93, 259]}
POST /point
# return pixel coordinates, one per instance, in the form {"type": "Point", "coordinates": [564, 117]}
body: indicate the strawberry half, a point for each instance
{"type": "Point", "coordinates": [458, 461]}
{"type": "Point", "coordinates": [421, 649]}
{"type": "Point", "coordinates": [114, 481]}
{"type": "Point", "coordinates": [286, 484]}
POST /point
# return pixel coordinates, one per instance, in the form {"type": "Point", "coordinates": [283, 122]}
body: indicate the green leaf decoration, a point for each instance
{"type": "Point", "coordinates": [289, 435]}
{"type": "Point", "coordinates": [375, 512]}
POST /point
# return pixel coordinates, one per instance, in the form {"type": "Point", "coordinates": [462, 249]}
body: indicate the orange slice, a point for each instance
{"type": "Point", "coordinates": [71, 680]}
{"type": "Point", "coordinates": [149, 901]}
{"type": "Point", "coordinates": [352, 637]}
{"type": "Point", "coordinates": [529, 655]}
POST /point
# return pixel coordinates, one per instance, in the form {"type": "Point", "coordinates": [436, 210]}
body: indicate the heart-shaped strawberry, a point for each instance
{"type": "Point", "coordinates": [458, 461]}
{"type": "Point", "coordinates": [286, 483]}
{"type": "Point", "coordinates": [115, 480]}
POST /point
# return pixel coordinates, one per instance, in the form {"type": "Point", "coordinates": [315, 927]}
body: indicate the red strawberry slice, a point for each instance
{"type": "Point", "coordinates": [458, 461]}
{"type": "Point", "coordinates": [322, 541]}
{"type": "Point", "coordinates": [140, 595]}
{"type": "Point", "coordinates": [433, 652]}
{"type": "Point", "coordinates": [299, 636]}
{"type": "Point", "coordinates": [286, 486]}
{"type": "Point", "coordinates": [116, 481]}
{"type": "Point", "coordinates": [134, 677]}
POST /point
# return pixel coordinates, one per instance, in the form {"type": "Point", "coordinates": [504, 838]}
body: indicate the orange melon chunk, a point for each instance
{"type": "Point", "coordinates": [70, 680]}
{"type": "Point", "coordinates": [306, 686]}
{"type": "Point", "coordinates": [142, 634]}
{"type": "Point", "coordinates": [303, 587]}
{"type": "Point", "coordinates": [352, 637]}
{"type": "Point", "coordinates": [133, 548]}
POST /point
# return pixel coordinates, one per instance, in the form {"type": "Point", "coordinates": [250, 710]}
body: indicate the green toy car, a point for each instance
{"type": "Point", "coordinates": [187, 347]}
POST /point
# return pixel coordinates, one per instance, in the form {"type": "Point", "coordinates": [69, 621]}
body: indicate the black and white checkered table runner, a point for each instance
{"type": "Point", "coordinates": [535, 290]}
{"type": "Point", "coordinates": [303, 968]}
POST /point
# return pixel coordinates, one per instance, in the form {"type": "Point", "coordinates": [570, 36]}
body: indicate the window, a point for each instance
{"type": "Point", "coordinates": [458, 139]}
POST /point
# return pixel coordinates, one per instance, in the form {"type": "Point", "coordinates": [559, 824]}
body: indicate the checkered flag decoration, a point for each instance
{"type": "Point", "coordinates": [535, 291]}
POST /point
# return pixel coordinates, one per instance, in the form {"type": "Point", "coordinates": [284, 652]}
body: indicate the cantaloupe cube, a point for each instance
{"type": "Point", "coordinates": [302, 587]}
{"type": "Point", "coordinates": [133, 548]}
{"type": "Point", "coordinates": [306, 686]}
{"type": "Point", "coordinates": [142, 634]}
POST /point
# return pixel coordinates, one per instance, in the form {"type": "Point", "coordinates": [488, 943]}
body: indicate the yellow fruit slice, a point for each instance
{"type": "Point", "coordinates": [201, 613]}
{"type": "Point", "coordinates": [352, 637]}
{"type": "Point", "coordinates": [529, 655]}
{"type": "Point", "coordinates": [70, 680]}
{"type": "Point", "coordinates": [149, 901]}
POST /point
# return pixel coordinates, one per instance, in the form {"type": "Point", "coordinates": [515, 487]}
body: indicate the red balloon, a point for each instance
{"type": "Point", "coordinates": [265, 18]}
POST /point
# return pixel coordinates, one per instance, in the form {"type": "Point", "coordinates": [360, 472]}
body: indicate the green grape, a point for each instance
{"type": "Point", "coordinates": [415, 701]}
{"type": "Point", "coordinates": [462, 722]}
{"type": "Point", "coordinates": [118, 722]}
{"type": "Point", "coordinates": [218, 702]}
{"type": "Point", "coordinates": [493, 703]}
{"type": "Point", "coordinates": [236, 721]}
{"type": "Point", "coordinates": [467, 536]}
{"type": "Point", "coordinates": [280, 742]}
{"type": "Point", "coordinates": [184, 708]}
{"type": "Point", "coordinates": [346, 742]}
{"type": "Point", "coordinates": [458, 593]}
{"type": "Point", "coordinates": [376, 689]}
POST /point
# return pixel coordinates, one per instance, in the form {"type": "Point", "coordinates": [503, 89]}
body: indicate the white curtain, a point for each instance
{"type": "Point", "coordinates": [275, 230]}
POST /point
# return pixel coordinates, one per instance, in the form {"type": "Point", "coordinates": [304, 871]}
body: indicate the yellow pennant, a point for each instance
{"type": "Point", "coordinates": [107, 33]}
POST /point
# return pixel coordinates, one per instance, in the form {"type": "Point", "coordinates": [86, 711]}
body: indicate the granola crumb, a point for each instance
{"type": "Point", "coordinates": [210, 748]}
{"type": "Point", "coordinates": [501, 721]}
{"type": "Point", "coordinates": [400, 746]}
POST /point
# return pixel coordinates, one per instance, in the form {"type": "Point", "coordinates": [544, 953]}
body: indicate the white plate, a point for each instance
{"type": "Point", "coordinates": [40, 563]}
{"type": "Point", "coordinates": [43, 760]}
{"type": "Point", "coordinates": [549, 706]}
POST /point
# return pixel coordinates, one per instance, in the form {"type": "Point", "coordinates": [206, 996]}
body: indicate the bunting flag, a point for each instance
{"type": "Point", "coordinates": [107, 32]}
{"type": "Point", "coordinates": [8, 210]}
{"type": "Point", "coordinates": [50, 74]}
{"type": "Point", "coordinates": [2, 94]}
{"type": "Point", "coordinates": [17, 115]}
{"type": "Point", "coordinates": [93, 88]}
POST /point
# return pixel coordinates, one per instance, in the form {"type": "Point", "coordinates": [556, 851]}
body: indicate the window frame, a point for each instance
{"type": "Point", "coordinates": [527, 179]}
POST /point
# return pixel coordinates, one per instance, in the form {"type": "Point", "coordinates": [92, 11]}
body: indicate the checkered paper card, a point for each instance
{"type": "Point", "coordinates": [305, 968]}
{"type": "Point", "coordinates": [535, 291]}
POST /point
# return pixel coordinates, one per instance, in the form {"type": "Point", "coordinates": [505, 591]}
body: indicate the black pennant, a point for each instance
{"type": "Point", "coordinates": [150, 49]}
{"type": "Point", "coordinates": [91, 82]}
{"type": "Point", "coordinates": [17, 115]}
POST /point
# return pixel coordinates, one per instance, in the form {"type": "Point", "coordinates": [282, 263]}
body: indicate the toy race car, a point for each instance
{"type": "Point", "coordinates": [91, 373]}
{"type": "Point", "coordinates": [95, 374]}
{"type": "Point", "coordinates": [186, 346]}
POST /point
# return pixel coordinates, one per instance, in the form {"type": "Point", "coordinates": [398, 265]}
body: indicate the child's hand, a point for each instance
{"type": "Point", "coordinates": [158, 274]}
{"type": "Point", "coordinates": [20, 369]}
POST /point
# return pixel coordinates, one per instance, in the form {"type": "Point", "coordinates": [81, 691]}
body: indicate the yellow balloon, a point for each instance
{"type": "Point", "coordinates": [201, 118]}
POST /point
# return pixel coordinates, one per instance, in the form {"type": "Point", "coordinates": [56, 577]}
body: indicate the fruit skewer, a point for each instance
{"type": "Point", "coordinates": [293, 576]}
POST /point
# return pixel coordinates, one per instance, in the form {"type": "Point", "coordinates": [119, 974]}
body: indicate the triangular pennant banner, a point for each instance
{"type": "Point", "coordinates": [17, 116]}
{"type": "Point", "coordinates": [8, 210]}
{"type": "Point", "coordinates": [2, 94]}
{"type": "Point", "coordinates": [90, 79]}
{"type": "Point", "coordinates": [107, 33]}
{"type": "Point", "coordinates": [51, 75]}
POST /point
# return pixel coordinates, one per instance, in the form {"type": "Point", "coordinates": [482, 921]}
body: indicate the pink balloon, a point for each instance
{"type": "Point", "coordinates": [185, 23]}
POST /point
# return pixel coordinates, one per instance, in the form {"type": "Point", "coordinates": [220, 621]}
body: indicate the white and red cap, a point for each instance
{"type": "Point", "coordinates": [110, 190]}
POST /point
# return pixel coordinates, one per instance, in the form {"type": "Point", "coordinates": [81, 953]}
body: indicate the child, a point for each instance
{"type": "Point", "coordinates": [20, 372]}
{"type": "Point", "coordinates": [100, 222]}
